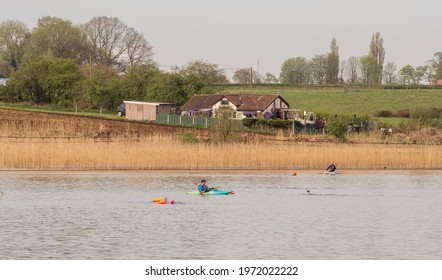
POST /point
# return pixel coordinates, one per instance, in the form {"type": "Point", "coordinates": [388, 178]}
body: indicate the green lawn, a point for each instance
{"type": "Point", "coordinates": [49, 109]}
{"type": "Point", "coordinates": [342, 101]}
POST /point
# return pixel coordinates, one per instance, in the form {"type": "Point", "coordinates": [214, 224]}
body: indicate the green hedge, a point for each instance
{"type": "Point", "coordinates": [276, 124]}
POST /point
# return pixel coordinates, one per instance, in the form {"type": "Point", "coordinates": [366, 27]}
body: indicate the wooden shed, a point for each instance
{"type": "Point", "coordinates": [141, 111]}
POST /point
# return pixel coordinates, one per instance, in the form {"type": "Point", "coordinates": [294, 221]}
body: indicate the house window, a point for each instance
{"type": "Point", "coordinates": [224, 102]}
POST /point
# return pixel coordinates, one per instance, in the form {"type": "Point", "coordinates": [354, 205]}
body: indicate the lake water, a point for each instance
{"type": "Point", "coordinates": [104, 215]}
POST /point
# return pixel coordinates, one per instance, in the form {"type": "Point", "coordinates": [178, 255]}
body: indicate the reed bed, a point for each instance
{"type": "Point", "coordinates": [167, 153]}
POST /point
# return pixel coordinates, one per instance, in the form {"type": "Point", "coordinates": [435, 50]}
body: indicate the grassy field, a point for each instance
{"type": "Point", "coordinates": [34, 108]}
{"type": "Point", "coordinates": [362, 101]}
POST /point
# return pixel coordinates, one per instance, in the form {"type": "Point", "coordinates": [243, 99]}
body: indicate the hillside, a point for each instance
{"type": "Point", "coordinates": [18, 124]}
{"type": "Point", "coordinates": [346, 100]}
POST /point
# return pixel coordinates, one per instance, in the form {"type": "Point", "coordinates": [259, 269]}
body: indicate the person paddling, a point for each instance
{"type": "Point", "coordinates": [331, 168]}
{"type": "Point", "coordinates": [202, 188]}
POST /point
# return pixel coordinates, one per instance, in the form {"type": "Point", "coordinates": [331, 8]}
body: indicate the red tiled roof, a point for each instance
{"type": "Point", "coordinates": [244, 102]}
{"type": "Point", "coordinates": [250, 102]}
{"type": "Point", "coordinates": [200, 102]}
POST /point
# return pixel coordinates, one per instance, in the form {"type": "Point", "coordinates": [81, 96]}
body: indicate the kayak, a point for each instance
{"type": "Point", "coordinates": [212, 192]}
{"type": "Point", "coordinates": [331, 173]}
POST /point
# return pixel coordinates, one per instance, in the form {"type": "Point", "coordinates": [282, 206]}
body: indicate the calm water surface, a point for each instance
{"type": "Point", "coordinates": [392, 215]}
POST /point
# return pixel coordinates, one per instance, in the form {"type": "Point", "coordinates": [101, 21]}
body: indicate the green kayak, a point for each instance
{"type": "Point", "coordinates": [212, 192]}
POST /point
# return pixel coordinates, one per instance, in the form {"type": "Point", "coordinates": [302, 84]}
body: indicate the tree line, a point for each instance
{"type": "Point", "coordinates": [367, 69]}
{"type": "Point", "coordinates": [102, 62]}
{"type": "Point", "coordinates": [97, 64]}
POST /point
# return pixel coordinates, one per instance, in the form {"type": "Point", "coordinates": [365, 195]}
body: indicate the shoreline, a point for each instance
{"type": "Point", "coordinates": [223, 171]}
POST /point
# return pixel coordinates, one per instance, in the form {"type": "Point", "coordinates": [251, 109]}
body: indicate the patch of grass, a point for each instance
{"type": "Point", "coordinates": [340, 100]}
{"type": "Point", "coordinates": [50, 109]}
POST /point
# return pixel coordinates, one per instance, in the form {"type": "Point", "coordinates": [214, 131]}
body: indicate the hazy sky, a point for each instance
{"type": "Point", "coordinates": [236, 34]}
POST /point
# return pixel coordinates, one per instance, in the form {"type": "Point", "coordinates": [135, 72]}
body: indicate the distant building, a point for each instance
{"type": "Point", "coordinates": [438, 83]}
{"type": "Point", "coordinates": [242, 105]}
{"type": "Point", "coordinates": [141, 111]}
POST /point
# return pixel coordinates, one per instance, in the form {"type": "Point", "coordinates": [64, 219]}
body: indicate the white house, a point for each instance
{"type": "Point", "coordinates": [243, 105]}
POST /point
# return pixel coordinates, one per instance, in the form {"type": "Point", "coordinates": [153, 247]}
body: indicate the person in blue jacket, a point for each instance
{"type": "Point", "coordinates": [331, 168]}
{"type": "Point", "coordinates": [202, 188]}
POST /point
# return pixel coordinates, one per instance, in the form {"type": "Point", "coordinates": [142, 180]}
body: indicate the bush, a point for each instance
{"type": "Point", "coordinates": [338, 129]}
{"type": "Point", "coordinates": [404, 113]}
{"type": "Point", "coordinates": [276, 124]}
{"type": "Point", "coordinates": [383, 114]}
{"type": "Point", "coordinates": [189, 137]}
{"type": "Point", "coordinates": [249, 122]}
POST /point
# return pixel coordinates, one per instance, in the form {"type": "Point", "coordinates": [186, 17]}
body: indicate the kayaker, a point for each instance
{"type": "Point", "coordinates": [331, 168]}
{"type": "Point", "coordinates": [203, 187]}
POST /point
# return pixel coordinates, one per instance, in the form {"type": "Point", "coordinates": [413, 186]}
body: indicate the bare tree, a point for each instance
{"type": "Point", "coordinates": [431, 70]}
{"type": "Point", "coordinates": [389, 75]}
{"type": "Point", "coordinates": [351, 69]}
{"type": "Point", "coordinates": [115, 44]}
{"type": "Point", "coordinates": [139, 51]}
{"type": "Point", "coordinates": [342, 69]}
{"type": "Point", "coordinates": [245, 75]}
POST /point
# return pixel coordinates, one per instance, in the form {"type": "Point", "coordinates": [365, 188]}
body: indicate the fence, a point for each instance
{"type": "Point", "coordinates": [212, 122]}
{"type": "Point", "coordinates": [193, 121]}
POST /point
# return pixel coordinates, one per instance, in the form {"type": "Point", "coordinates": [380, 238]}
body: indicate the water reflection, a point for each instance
{"type": "Point", "coordinates": [56, 215]}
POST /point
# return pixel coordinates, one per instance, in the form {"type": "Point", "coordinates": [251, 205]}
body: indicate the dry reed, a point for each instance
{"type": "Point", "coordinates": [165, 152]}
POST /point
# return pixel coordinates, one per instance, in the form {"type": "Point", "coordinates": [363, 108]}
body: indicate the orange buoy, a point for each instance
{"type": "Point", "coordinates": [157, 199]}
{"type": "Point", "coordinates": [163, 201]}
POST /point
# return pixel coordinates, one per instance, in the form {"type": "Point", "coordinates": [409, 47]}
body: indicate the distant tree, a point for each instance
{"type": "Point", "coordinates": [13, 35]}
{"type": "Point", "coordinates": [333, 63]}
{"type": "Point", "coordinates": [59, 38]}
{"type": "Point", "coordinates": [419, 74]}
{"type": "Point", "coordinates": [168, 87]}
{"type": "Point", "coordinates": [378, 52]}
{"type": "Point", "coordinates": [342, 65]}
{"type": "Point", "coordinates": [369, 69]}
{"type": "Point", "coordinates": [115, 44]}
{"type": "Point", "coordinates": [318, 68]}
{"type": "Point", "coordinates": [407, 73]}
{"type": "Point", "coordinates": [295, 71]}
{"type": "Point", "coordinates": [198, 75]}
{"type": "Point", "coordinates": [245, 75]}
{"type": "Point", "coordinates": [437, 64]}
{"type": "Point", "coordinates": [107, 36]}
{"type": "Point", "coordinates": [269, 78]}
{"type": "Point", "coordinates": [139, 51]}
{"type": "Point", "coordinates": [46, 80]}
{"type": "Point", "coordinates": [136, 81]}
{"type": "Point", "coordinates": [352, 69]}
{"type": "Point", "coordinates": [389, 75]}
{"type": "Point", "coordinates": [103, 88]}
{"type": "Point", "coordinates": [204, 71]}
{"type": "Point", "coordinates": [431, 70]}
